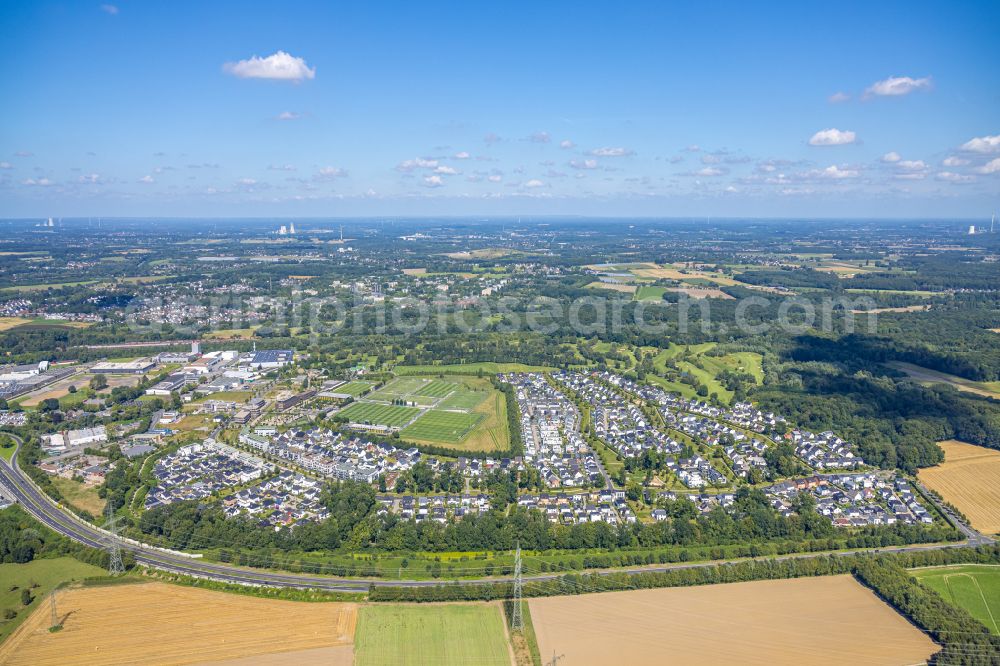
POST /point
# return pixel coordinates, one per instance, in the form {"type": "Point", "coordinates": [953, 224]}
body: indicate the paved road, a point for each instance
{"type": "Point", "coordinates": [48, 512]}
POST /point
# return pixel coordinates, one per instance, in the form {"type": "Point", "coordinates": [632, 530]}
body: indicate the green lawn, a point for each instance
{"type": "Point", "coordinates": [439, 634]}
{"type": "Point", "coordinates": [46, 574]}
{"type": "Point", "coordinates": [388, 415]}
{"type": "Point", "coordinates": [649, 293]}
{"type": "Point", "coordinates": [974, 587]}
{"type": "Point", "coordinates": [444, 427]}
{"type": "Point", "coordinates": [355, 388]}
{"type": "Point", "coordinates": [7, 447]}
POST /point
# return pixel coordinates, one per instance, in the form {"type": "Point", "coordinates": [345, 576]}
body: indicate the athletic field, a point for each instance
{"type": "Point", "coordinates": [974, 587]}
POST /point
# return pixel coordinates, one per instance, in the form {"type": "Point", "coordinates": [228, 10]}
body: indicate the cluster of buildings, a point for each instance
{"type": "Point", "coordinates": [17, 380]}
{"type": "Point", "coordinates": [217, 371]}
{"type": "Point", "coordinates": [332, 454]}
{"type": "Point", "coordinates": [550, 429]}
{"type": "Point", "coordinates": [197, 471]}
{"type": "Point", "coordinates": [824, 451]}
{"type": "Point", "coordinates": [73, 439]}
{"type": "Point", "coordinates": [733, 427]}
{"type": "Point", "coordinates": [618, 422]}
{"type": "Point", "coordinates": [89, 469]}
{"type": "Point", "coordinates": [855, 500]}
{"type": "Point", "coordinates": [439, 508]}
{"type": "Point", "coordinates": [696, 472]}
{"type": "Point", "coordinates": [607, 505]}
{"type": "Point", "coordinates": [287, 499]}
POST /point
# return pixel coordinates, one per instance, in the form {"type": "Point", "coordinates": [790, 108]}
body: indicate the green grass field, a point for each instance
{"type": "Point", "coordinates": [648, 293]}
{"type": "Point", "coordinates": [388, 415]}
{"type": "Point", "coordinates": [438, 426]}
{"type": "Point", "coordinates": [46, 574]}
{"type": "Point", "coordinates": [464, 399]}
{"type": "Point", "coordinates": [354, 388]}
{"type": "Point", "coordinates": [439, 634]}
{"type": "Point", "coordinates": [974, 587]}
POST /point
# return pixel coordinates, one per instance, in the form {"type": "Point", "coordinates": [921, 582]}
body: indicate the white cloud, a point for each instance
{"type": "Point", "coordinates": [491, 138]}
{"type": "Point", "coordinates": [693, 148]}
{"type": "Point", "coordinates": [41, 182]}
{"type": "Point", "coordinates": [832, 137]}
{"type": "Point", "coordinates": [461, 155]}
{"type": "Point", "coordinates": [891, 158]}
{"type": "Point", "coordinates": [983, 144]}
{"type": "Point", "coordinates": [833, 172]}
{"type": "Point", "coordinates": [953, 161]}
{"type": "Point", "coordinates": [109, 9]}
{"type": "Point", "coordinates": [533, 183]}
{"type": "Point", "coordinates": [583, 164]}
{"type": "Point", "coordinates": [329, 173]}
{"type": "Point", "coordinates": [838, 98]}
{"type": "Point", "coordinates": [147, 179]}
{"type": "Point", "coordinates": [611, 152]}
{"type": "Point", "coordinates": [566, 144]}
{"type": "Point", "coordinates": [895, 86]}
{"type": "Point", "coordinates": [281, 167]}
{"type": "Point", "coordinates": [911, 165]}
{"type": "Point", "coordinates": [494, 178]}
{"type": "Point", "coordinates": [416, 163]}
{"type": "Point", "coordinates": [89, 178]}
{"type": "Point", "coordinates": [246, 181]}
{"type": "Point", "coordinates": [6, 165]}
{"type": "Point", "coordinates": [949, 177]}
{"type": "Point", "coordinates": [433, 181]}
{"type": "Point", "coordinates": [710, 172]}
{"type": "Point", "coordinates": [288, 115]}
{"type": "Point", "coordinates": [710, 159]}
{"type": "Point", "coordinates": [993, 166]}
{"type": "Point", "coordinates": [540, 137]}
{"type": "Point", "coordinates": [23, 153]}
{"type": "Point", "coordinates": [446, 170]}
{"type": "Point", "coordinates": [280, 66]}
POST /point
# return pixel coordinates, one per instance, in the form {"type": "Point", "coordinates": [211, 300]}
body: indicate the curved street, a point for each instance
{"type": "Point", "coordinates": [52, 515]}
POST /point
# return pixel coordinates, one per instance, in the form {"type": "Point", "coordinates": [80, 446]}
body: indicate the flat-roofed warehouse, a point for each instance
{"type": "Point", "coordinates": [139, 367]}
{"type": "Point", "coordinates": [272, 358]}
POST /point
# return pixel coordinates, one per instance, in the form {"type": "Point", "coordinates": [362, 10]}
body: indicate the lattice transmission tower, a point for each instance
{"type": "Point", "coordinates": [115, 564]}
{"type": "Point", "coordinates": [517, 619]}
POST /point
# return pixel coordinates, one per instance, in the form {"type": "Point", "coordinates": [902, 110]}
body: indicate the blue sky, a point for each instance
{"type": "Point", "coordinates": [715, 108]}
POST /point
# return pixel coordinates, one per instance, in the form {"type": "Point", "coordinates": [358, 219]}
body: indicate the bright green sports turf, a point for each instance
{"type": "Point", "coordinates": [440, 634]}
{"type": "Point", "coordinates": [388, 415]}
{"type": "Point", "coordinates": [437, 426]}
{"type": "Point", "coordinates": [974, 587]}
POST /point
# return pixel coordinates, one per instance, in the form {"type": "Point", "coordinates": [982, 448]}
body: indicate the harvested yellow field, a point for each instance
{"type": "Point", "coordinates": [969, 478]}
{"type": "Point", "coordinates": [673, 273]}
{"type": "Point", "coordinates": [827, 620]}
{"type": "Point", "coordinates": [158, 624]}
{"type": "Point", "coordinates": [7, 323]}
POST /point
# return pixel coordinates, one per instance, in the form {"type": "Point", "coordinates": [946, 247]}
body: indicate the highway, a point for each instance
{"type": "Point", "coordinates": [16, 484]}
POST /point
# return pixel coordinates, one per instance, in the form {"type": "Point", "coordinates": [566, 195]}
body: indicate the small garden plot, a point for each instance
{"type": "Point", "coordinates": [438, 426]}
{"type": "Point", "coordinates": [393, 416]}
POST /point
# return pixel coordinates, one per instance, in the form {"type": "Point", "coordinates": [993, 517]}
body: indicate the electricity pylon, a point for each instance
{"type": "Point", "coordinates": [115, 564]}
{"type": "Point", "coordinates": [517, 620]}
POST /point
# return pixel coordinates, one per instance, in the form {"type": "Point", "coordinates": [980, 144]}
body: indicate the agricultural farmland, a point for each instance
{"type": "Point", "coordinates": [827, 620]}
{"type": "Point", "coordinates": [974, 587]}
{"type": "Point", "coordinates": [439, 634]}
{"type": "Point", "coordinates": [969, 478]}
{"type": "Point", "coordinates": [181, 625]}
